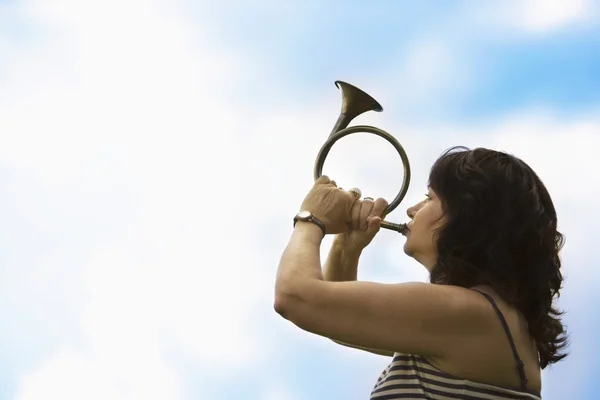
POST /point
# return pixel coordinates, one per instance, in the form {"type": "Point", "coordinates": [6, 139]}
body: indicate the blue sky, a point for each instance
{"type": "Point", "coordinates": [152, 155]}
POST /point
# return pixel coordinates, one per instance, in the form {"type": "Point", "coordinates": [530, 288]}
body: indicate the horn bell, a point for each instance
{"type": "Point", "coordinates": [354, 102]}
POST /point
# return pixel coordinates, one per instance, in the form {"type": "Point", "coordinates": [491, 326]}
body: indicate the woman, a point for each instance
{"type": "Point", "coordinates": [484, 327]}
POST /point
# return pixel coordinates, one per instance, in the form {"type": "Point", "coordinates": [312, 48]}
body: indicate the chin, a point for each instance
{"type": "Point", "coordinates": [407, 249]}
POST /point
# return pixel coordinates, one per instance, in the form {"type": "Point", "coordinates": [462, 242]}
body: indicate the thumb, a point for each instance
{"type": "Point", "coordinates": [323, 180]}
{"type": "Point", "coordinates": [374, 226]}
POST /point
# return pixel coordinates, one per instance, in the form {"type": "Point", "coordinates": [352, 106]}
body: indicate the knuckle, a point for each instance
{"type": "Point", "coordinates": [323, 179]}
{"type": "Point", "coordinates": [382, 203]}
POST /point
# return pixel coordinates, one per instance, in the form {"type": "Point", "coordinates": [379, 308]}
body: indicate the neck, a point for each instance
{"type": "Point", "coordinates": [428, 261]}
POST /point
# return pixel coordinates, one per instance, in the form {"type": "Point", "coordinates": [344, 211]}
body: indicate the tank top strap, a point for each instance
{"type": "Point", "coordinates": [520, 364]}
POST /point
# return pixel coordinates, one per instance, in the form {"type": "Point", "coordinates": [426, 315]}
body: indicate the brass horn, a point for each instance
{"type": "Point", "coordinates": [354, 103]}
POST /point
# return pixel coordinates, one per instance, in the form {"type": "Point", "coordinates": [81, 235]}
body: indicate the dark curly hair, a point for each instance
{"type": "Point", "coordinates": [501, 231]}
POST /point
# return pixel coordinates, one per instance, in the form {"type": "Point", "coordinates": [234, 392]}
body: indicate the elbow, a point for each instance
{"type": "Point", "coordinates": [285, 296]}
{"type": "Point", "coordinates": [285, 291]}
{"type": "Point", "coordinates": [287, 301]}
{"type": "Point", "coordinates": [292, 301]}
{"type": "Point", "coordinates": [293, 310]}
{"type": "Point", "coordinates": [296, 310]}
{"type": "Point", "coordinates": [281, 305]}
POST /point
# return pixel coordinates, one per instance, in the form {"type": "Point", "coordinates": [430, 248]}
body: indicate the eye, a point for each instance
{"type": "Point", "coordinates": [427, 196]}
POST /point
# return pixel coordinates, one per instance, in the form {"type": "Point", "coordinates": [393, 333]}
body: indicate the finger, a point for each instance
{"type": "Point", "coordinates": [322, 180]}
{"type": "Point", "coordinates": [365, 212]}
{"type": "Point", "coordinates": [379, 207]}
{"type": "Point", "coordinates": [374, 226]}
{"type": "Point", "coordinates": [355, 214]}
{"type": "Point", "coordinates": [356, 192]}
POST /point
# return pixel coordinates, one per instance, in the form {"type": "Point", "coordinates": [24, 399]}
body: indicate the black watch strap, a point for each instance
{"type": "Point", "coordinates": [312, 219]}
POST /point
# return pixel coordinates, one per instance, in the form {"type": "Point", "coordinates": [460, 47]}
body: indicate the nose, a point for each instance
{"type": "Point", "coordinates": [411, 211]}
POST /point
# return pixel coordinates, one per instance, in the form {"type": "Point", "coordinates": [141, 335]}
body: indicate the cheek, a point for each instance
{"type": "Point", "coordinates": [432, 216]}
{"type": "Point", "coordinates": [424, 220]}
{"type": "Point", "coordinates": [424, 226]}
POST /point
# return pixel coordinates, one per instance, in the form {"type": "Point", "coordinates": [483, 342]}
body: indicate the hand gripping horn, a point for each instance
{"type": "Point", "coordinates": [354, 103]}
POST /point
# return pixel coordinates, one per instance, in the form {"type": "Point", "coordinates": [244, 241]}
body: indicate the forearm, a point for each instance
{"type": "Point", "coordinates": [300, 262]}
{"type": "Point", "coordinates": [300, 265]}
{"type": "Point", "coordinates": [342, 263]}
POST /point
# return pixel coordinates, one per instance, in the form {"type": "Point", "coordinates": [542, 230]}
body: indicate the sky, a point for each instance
{"type": "Point", "coordinates": [153, 155]}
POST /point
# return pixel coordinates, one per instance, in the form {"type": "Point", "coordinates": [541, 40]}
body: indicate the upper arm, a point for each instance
{"type": "Point", "coordinates": [416, 318]}
{"type": "Point", "coordinates": [374, 351]}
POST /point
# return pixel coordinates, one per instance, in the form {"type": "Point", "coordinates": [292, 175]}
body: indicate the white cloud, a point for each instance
{"type": "Point", "coordinates": [431, 69]}
{"type": "Point", "coordinates": [540, 15]}
{"type": "Point", "coordinates": [133, 78]}
{"type": "Point", "coordinates": [278, 393]}
{"type": "Point", "coordinates": [76, 375]}
{"type": "Point", "coordinates": [130, 101]}
{"type": "Point", "coordinates": [534, 17]}
{"type": "Point", "coordinates": [434, 65]}
{"type": "Point", "coordinates": [125, 94]}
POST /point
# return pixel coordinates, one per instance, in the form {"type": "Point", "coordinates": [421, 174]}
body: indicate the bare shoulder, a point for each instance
{"type": "Point", "coordinates": [488, 357]}
{"type": "Point", "coordinates": [418, 318]}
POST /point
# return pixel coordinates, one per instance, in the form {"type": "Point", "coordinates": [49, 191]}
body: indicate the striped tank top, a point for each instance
{"type": "Point", "coordinates": [412, 377]}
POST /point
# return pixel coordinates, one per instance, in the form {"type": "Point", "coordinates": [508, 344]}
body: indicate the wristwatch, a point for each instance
{"type": "Point", "coordinates": [306, 216]}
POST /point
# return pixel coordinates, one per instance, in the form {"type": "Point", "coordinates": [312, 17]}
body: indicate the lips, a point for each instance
{"type": "Point", "coordinates": [405, 230]}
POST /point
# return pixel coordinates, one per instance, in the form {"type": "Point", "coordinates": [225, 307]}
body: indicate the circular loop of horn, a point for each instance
{"type": "Point", "coordinates": [320, 161]}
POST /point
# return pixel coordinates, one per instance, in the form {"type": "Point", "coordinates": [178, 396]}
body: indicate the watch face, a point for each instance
{"type": "Point", "coordinates": [304, 214]}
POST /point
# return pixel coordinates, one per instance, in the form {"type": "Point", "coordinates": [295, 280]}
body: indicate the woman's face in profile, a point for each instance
{"type": "Point", "coordinates": [425, 218]}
